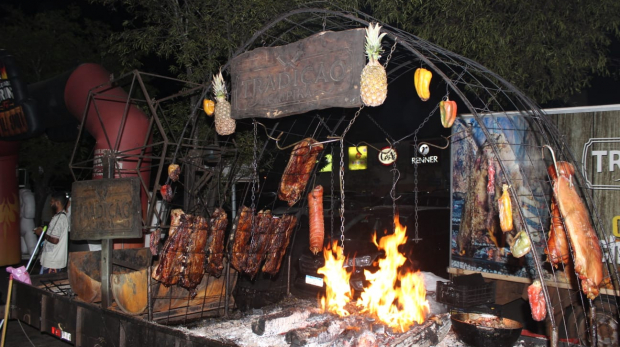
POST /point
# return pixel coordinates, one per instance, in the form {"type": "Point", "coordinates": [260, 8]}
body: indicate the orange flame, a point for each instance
{"type": "Point", "coordinates": [337, 289]}
{"type": "Point", "coordinates": [397, 299]}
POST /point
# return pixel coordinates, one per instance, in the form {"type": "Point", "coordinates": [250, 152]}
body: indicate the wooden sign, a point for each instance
{"type": "Point", "coordinates": [318, 72]}
{"type": "Point", "coordinates": [106, 209]}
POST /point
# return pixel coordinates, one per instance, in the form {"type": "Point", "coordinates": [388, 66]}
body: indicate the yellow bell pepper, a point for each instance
{"type": "Point", "coordinates": [422, 80]}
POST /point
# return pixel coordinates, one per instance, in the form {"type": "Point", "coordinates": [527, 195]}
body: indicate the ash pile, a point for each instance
{"type": "Point", "coordinates": [297, 322]}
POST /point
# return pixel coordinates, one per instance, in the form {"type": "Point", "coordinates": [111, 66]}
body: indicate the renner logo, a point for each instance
{"type": "Point", "coordinates": [604, 160]}
{"type": "Point", "coordinates": [424, 149]}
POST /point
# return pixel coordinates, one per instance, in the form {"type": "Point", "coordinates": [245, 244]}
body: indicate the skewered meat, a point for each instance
{"type": "Point", "coordinates": [537, 301]}
{"type": "Point", "coordinates": [154, 241]}
{"type": "Point", "coordinates": [298, 170]}
{"type": "Point", "coordinates": [505, 210]}
{"type": "Point", "coordinates": [557, 245]}
{"type": "Point", "coordinates": [242, 231]}
{"type": "Point", "coordinates": [587, 255]}
{"type": "Point", "coordinates": [175, 221]}
{"type": "Point", "coordinates": [174, 170]}
{"type": "Point", "coordinates": [217, 227]}
{"type": "Point", "coordinates": [171, 258]}
{"type": "Point", "coordinates": [260, 240]}
{"type": "Point", "coordinates": [194, 256]}
{"type": "Point", "coordinates": [279, 243]}
{"type": "Point", "coordinates": [167, 193]}
{"type": "Point", "coordinates": [317, 228]}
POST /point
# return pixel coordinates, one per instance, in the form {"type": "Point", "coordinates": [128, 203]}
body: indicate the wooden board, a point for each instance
{"type": "Point", "coordinates": [318, 72]}
{"type": "Point", "coordinates": [130, 291]}
{"type": "Point", "coordinates": [106, 209]}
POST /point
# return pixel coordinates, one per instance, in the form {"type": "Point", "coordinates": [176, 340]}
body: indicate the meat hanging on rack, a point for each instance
{"type": "Point", "coordinates": [537, 301]}
{"type": "Point", "coordinates": [587, 256]}
{"type": "Point", "coordinates": [215, 242]}
{"type": "Point", "coordinates": [298, 170]}
{"type": "Point", "coordinates": [557, 244]}
{"type": "Point", "coordinates": [317, 228]}
{"type": "Point", "coordinates": [154, 241]}
{"type": "Point", "coordinates": [279, 243]}
{"type": "Point", "coordinates": [260, 240]}
{"type": "Point", "coordinates": [194, 256]}
{"type": "Point", "coordinates": [242, 232]}
{"type": "Point", "coordinates": [172, 254]}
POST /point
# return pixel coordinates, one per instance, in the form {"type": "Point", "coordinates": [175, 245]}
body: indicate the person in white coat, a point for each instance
{"type": "Point", "coordinates": [55, 250]}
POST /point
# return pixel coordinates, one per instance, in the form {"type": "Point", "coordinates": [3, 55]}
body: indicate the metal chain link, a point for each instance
{"type": "Point", "coordinates": [254, 179]}
{"type": "Point", "coordinates": [415, 169]}
{"type": "Point", "coordinates": [331, 163]}
{"type": "Point", "coordinates": [387, 60]}
{"type": "Point", "coordinates": [342, 176]}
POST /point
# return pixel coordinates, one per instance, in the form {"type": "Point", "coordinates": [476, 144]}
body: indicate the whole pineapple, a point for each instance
{"type": "Point", "coordinates": [224, 125]}
{"type": "Point", "coordinates": [373, 86]}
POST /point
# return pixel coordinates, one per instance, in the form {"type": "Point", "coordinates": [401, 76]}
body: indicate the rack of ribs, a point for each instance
{"type": "Point", "coordinates": [242, 233]}
{"type": "Point", "coordinates": [172, 254]}
{"type": "Point", "coordinates": [217, 227]}
{"type": "Point", "coordinates": [260, 239]}
{"type": "Point", "coordinates": [279, 243]}
{"type": "Point", "coordinates": [298, 170]}
{"type": "Point", "coordinates": [192, 270]}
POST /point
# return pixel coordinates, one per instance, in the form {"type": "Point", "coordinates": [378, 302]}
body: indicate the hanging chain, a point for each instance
{"type": "Point", "coordinates": [395, 178]}
{"type": "Point", "coordinates": [341, 173]}
{"type": "Point", "coordinates": [387, 60]}
{"type": "Point", "coordinates": [254, 165]}
{"type": "Point", "coordinates": [331, 203]}
{"type": "Point", "coordinates": [254, 179]}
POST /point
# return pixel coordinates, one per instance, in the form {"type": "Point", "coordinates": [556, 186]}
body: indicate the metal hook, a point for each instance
{"type": "Point", "coordinates": [555, 164]}
{"type": "Point", "coordinates": [394, 186]}
{"type": "Point", "coordinates": [367, 144]}
{"type": "Point", "coordinates": [436, 146]}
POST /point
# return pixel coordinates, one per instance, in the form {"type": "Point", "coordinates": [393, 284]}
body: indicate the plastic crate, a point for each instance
{"type": "Point", "coordinates": [464, 296]}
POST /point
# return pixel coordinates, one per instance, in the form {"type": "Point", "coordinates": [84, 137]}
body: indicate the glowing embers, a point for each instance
{"type": "Point", "coordinates": [396, 296]}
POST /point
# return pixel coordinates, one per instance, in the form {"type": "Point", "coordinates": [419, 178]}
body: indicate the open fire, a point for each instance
{"type": "Point", "coordinates": [396, 296]}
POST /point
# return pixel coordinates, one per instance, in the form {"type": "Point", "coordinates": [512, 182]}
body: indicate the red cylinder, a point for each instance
{"type": "Point", "coordinates": [10, 249]}
{"type": "Point", "coordinates": [105, 122]}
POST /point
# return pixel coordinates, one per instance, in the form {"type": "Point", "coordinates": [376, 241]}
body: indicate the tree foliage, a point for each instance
{"type": "Point", "coordinates": [549, 49]}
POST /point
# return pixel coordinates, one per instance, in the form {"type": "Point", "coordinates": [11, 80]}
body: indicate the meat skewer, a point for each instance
{"type": "Point", "coordinates": [215, 243]}
{"type": "Point", "coordinates": [298, 170]}
{"type": "Point", "coordinates": [317, 228]}
{"type": "Point", "coordinates": [242, 231]}
{"type": "Point", "coordinates": [557, 245]}
{"type": "Point", "coordinates": [587, 256]}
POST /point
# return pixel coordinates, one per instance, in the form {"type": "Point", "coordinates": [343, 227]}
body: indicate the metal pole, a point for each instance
{"type": "Point", "coordinates": [227, 294]}
{"type": "Point", "coordinates": [36, 249]}
{"type": "Point", "coordinates": [107, 245]}
{"type": "Point", "coordinates": [593, 335]}
{"type": "Point", "coordinates": [6, 309]}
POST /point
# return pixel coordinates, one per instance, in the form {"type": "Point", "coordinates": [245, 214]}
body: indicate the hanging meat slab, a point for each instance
{"type": "Point", "coordinates": [154, 241]}
{"type": "Point", "coordinates": [242, 233]}
{"type": "Point", "coordinates": [260, 240]}
{"type": "Point", "coordinates": [280, 241]}
{"type": "Point", "coordinates": [172, 255]}
{"type": "Point", "coordinates": [557, 245]}
{"type": "Point", "coordinates": [194, 255]}
{"type": "Point", "coordinates": [215, 242]}
{"type": "Point", "coordinates": [298, 170]}
{"type": "Point", "coordinates": [587, 256]}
